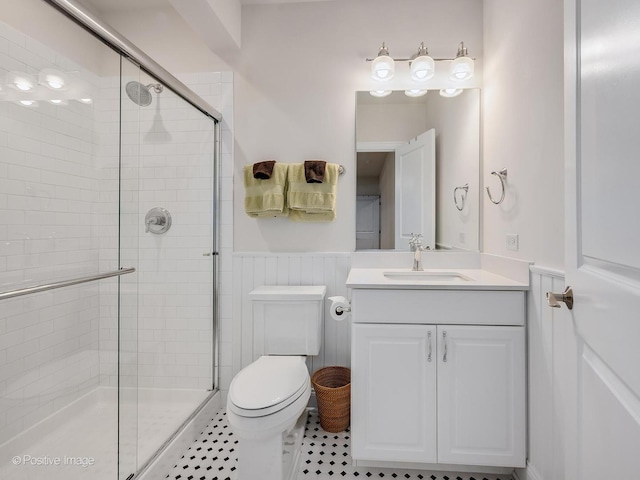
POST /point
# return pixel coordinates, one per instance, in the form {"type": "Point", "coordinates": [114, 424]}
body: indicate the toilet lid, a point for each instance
{"type": "Point", "coordinates": [269, 381]}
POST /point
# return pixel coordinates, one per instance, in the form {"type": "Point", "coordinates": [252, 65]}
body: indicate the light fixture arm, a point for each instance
{"type": "Point", "coordinates": [462, 51]}
{"type": "Point", "coordinates": [422, 50]}
{"type": "Point", "coordinates": [413, 58]}
{"type": "Point", "coordinates": [383, 51]}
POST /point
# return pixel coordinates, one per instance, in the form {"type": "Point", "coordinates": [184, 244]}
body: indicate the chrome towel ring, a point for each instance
{"type": "Point", "coordinates": [463, 196]}
{"type": "Point", "coordinates": [502, 175]}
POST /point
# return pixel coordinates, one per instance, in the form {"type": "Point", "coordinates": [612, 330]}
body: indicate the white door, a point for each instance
{"type": "Point", "coordinates": [416, 191]}
{"type": "Point", "coordinates": [367, 222]}
{"type": "Point", "coordinates": [603, 235]}
{"type": "Point", "coordinates": [393, 398]}
{"type": "Point", "coordinates": [481, 395]}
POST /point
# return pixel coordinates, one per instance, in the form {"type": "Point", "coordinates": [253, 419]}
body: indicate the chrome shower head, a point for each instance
{"type": "Point", "coordinates": [140, 94]}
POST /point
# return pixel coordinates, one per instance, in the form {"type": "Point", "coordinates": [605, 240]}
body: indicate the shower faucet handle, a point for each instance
{"type": "Point", "coordinates": [153, 221]}
{"type": "Point", "coordinates": [157, 221]}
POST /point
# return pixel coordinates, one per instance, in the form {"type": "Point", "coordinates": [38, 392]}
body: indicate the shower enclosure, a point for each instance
{"type": "Point", "coordinates": [108, 194]}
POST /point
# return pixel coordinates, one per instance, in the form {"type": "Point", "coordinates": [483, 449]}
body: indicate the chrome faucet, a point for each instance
{"type": "Point", "coordinates": [415, 244]}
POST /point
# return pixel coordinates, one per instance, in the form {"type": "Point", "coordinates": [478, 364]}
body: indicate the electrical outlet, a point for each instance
{"type": "Point", "coordinates": [462, 238]}
{"type": "Point", "coordinates": [512, 241]}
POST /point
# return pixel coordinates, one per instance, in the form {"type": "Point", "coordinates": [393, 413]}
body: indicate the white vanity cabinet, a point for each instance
{"type": "Point", "coordinates": [393, 394]}
{"type": "Point", "coordinates": [434, 392]}
{"type": "Point", "coordinates": [481, 395]}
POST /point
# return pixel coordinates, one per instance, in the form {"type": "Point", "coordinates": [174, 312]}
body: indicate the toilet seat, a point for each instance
{"type": "Point", "coordinates": [268, 385]}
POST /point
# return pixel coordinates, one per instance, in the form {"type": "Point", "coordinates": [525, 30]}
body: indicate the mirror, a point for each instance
{"type": "Point", "coordinates": [400, 188]}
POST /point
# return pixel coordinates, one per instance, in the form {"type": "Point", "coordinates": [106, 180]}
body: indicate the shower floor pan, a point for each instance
{"type": "Point", "coordinates": [80, 440]}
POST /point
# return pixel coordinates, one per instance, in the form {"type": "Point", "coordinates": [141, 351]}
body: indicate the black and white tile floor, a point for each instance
{"type": "Point", "coordinates": [213, 456]}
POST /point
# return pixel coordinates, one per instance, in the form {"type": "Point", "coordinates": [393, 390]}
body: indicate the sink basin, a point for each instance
{"type": "Point", "coordinates": [426, 276]}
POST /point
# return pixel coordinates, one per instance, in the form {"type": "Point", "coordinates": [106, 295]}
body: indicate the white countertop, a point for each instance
{"type": "Point", "coordinates": [473, 279]}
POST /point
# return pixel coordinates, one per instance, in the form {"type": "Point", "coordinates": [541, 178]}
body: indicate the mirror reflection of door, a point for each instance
{"type": "Point", "coordinates": [367, 222]}
{"type": "Point", "coordinates": [415, 206]}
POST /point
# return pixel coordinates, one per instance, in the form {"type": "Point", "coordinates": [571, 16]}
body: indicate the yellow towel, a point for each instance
{"type": "Point", "coordinates": [265, 198]}
{"type": "Point", "coordinates": [302, 216]}
{"type": "Point", "coordinates": [312, 202]}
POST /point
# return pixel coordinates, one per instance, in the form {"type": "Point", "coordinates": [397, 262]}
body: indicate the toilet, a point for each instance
{"type": "Point", "coordinates": [267, 401]}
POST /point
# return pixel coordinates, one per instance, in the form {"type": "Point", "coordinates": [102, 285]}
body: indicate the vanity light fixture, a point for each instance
{"type": "Point", "coordinates": [383, 66]}
{"type": "Point", "coordinates": [416, 92]}
{"type": "Point", "coordinates": [462, 67]}
{"type": "Point", "coordinates": [450, 92]}
{"type": "Point", "coordinates": [422, 66]}
{"type": "Point", "coordinates": [53, 79]}
{"type": "Point", "coordinates": [21, 81]}
{"type": "Point", "coordinates": [380, 93]}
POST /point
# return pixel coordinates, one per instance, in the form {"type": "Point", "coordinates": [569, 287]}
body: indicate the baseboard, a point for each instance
{"type": "Point", "coordinates": [437, 469]}
{"type": "Point", "coordinates": [159, 466]}
{"type": "Point", "coordinates": [313, 400]}
{"type": "Point", "coordinates": [529, 473]}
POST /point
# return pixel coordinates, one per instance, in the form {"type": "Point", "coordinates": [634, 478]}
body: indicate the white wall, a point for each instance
{"type": "Point", "coordinates": [523, 128]}
{"type": "Point", "coordinates": [457, 124]}
{"type": "Point", "coordinates": [390, 122]}
{"type": "Point", "coordinates": [522, 120]}
{"type": "Point", "coordinates": [165, 36]}
{"type": "Point", "coordinates": [38, 20]}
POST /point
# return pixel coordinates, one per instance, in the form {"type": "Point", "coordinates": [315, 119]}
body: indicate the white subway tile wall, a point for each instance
{"type": "Point", "coordinates": [48, 196]}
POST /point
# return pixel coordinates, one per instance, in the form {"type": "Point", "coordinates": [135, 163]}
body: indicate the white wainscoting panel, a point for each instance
{"type": "Point", "coordinates": [251, 270]}
{"type": "Point", "coordinates": [552, 387]}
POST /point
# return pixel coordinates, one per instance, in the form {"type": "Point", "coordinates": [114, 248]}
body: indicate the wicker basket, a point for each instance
{"type": "Point", "coordinates": [333, 391]}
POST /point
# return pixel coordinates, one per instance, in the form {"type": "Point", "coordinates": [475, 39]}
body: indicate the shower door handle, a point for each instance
{"type": "Point", "coordinates": [209, 254]}
{"type": "Point", "coordinates": [64, 283]}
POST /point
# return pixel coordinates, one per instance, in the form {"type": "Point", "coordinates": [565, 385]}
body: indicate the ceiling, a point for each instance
{"type": "Point", "coordinates": [264, 2]}
{"type": "Point", "coordinates": [120, 5]}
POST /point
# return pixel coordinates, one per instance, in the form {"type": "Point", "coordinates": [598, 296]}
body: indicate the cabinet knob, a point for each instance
{"type": "Point", "coordinates": [566, 297]}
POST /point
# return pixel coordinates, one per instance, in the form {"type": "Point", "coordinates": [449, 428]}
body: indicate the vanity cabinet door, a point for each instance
{"type": "Point", "coordinates": [481, 395]}
{"type": "Point", "coordinates": [393, 397]}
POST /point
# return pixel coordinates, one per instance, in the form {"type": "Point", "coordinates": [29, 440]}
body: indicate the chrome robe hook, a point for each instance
{"type": "Point", "coordinates": [502, 175]}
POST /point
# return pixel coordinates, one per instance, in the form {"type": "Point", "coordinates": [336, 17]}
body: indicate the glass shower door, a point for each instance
{"type": "Point", "coordinates": [167, 219]}
{"type": "Point", "coordinates": [96, 377]}
{"type": "Point", "coordinates": [59, 221]}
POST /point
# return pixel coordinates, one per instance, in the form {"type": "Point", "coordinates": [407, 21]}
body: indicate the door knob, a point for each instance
{"type": "Point", "coordinates": [554, 299]}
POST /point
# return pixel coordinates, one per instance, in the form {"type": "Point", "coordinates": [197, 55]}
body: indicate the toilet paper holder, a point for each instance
{"type": "Point", "coordinates": [340, 306]}
{"type": "Point", "coordinates": [341, 310]}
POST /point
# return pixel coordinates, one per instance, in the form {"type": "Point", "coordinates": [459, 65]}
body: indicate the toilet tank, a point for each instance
{"type": "Point", "coordinates": [287, 320]}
